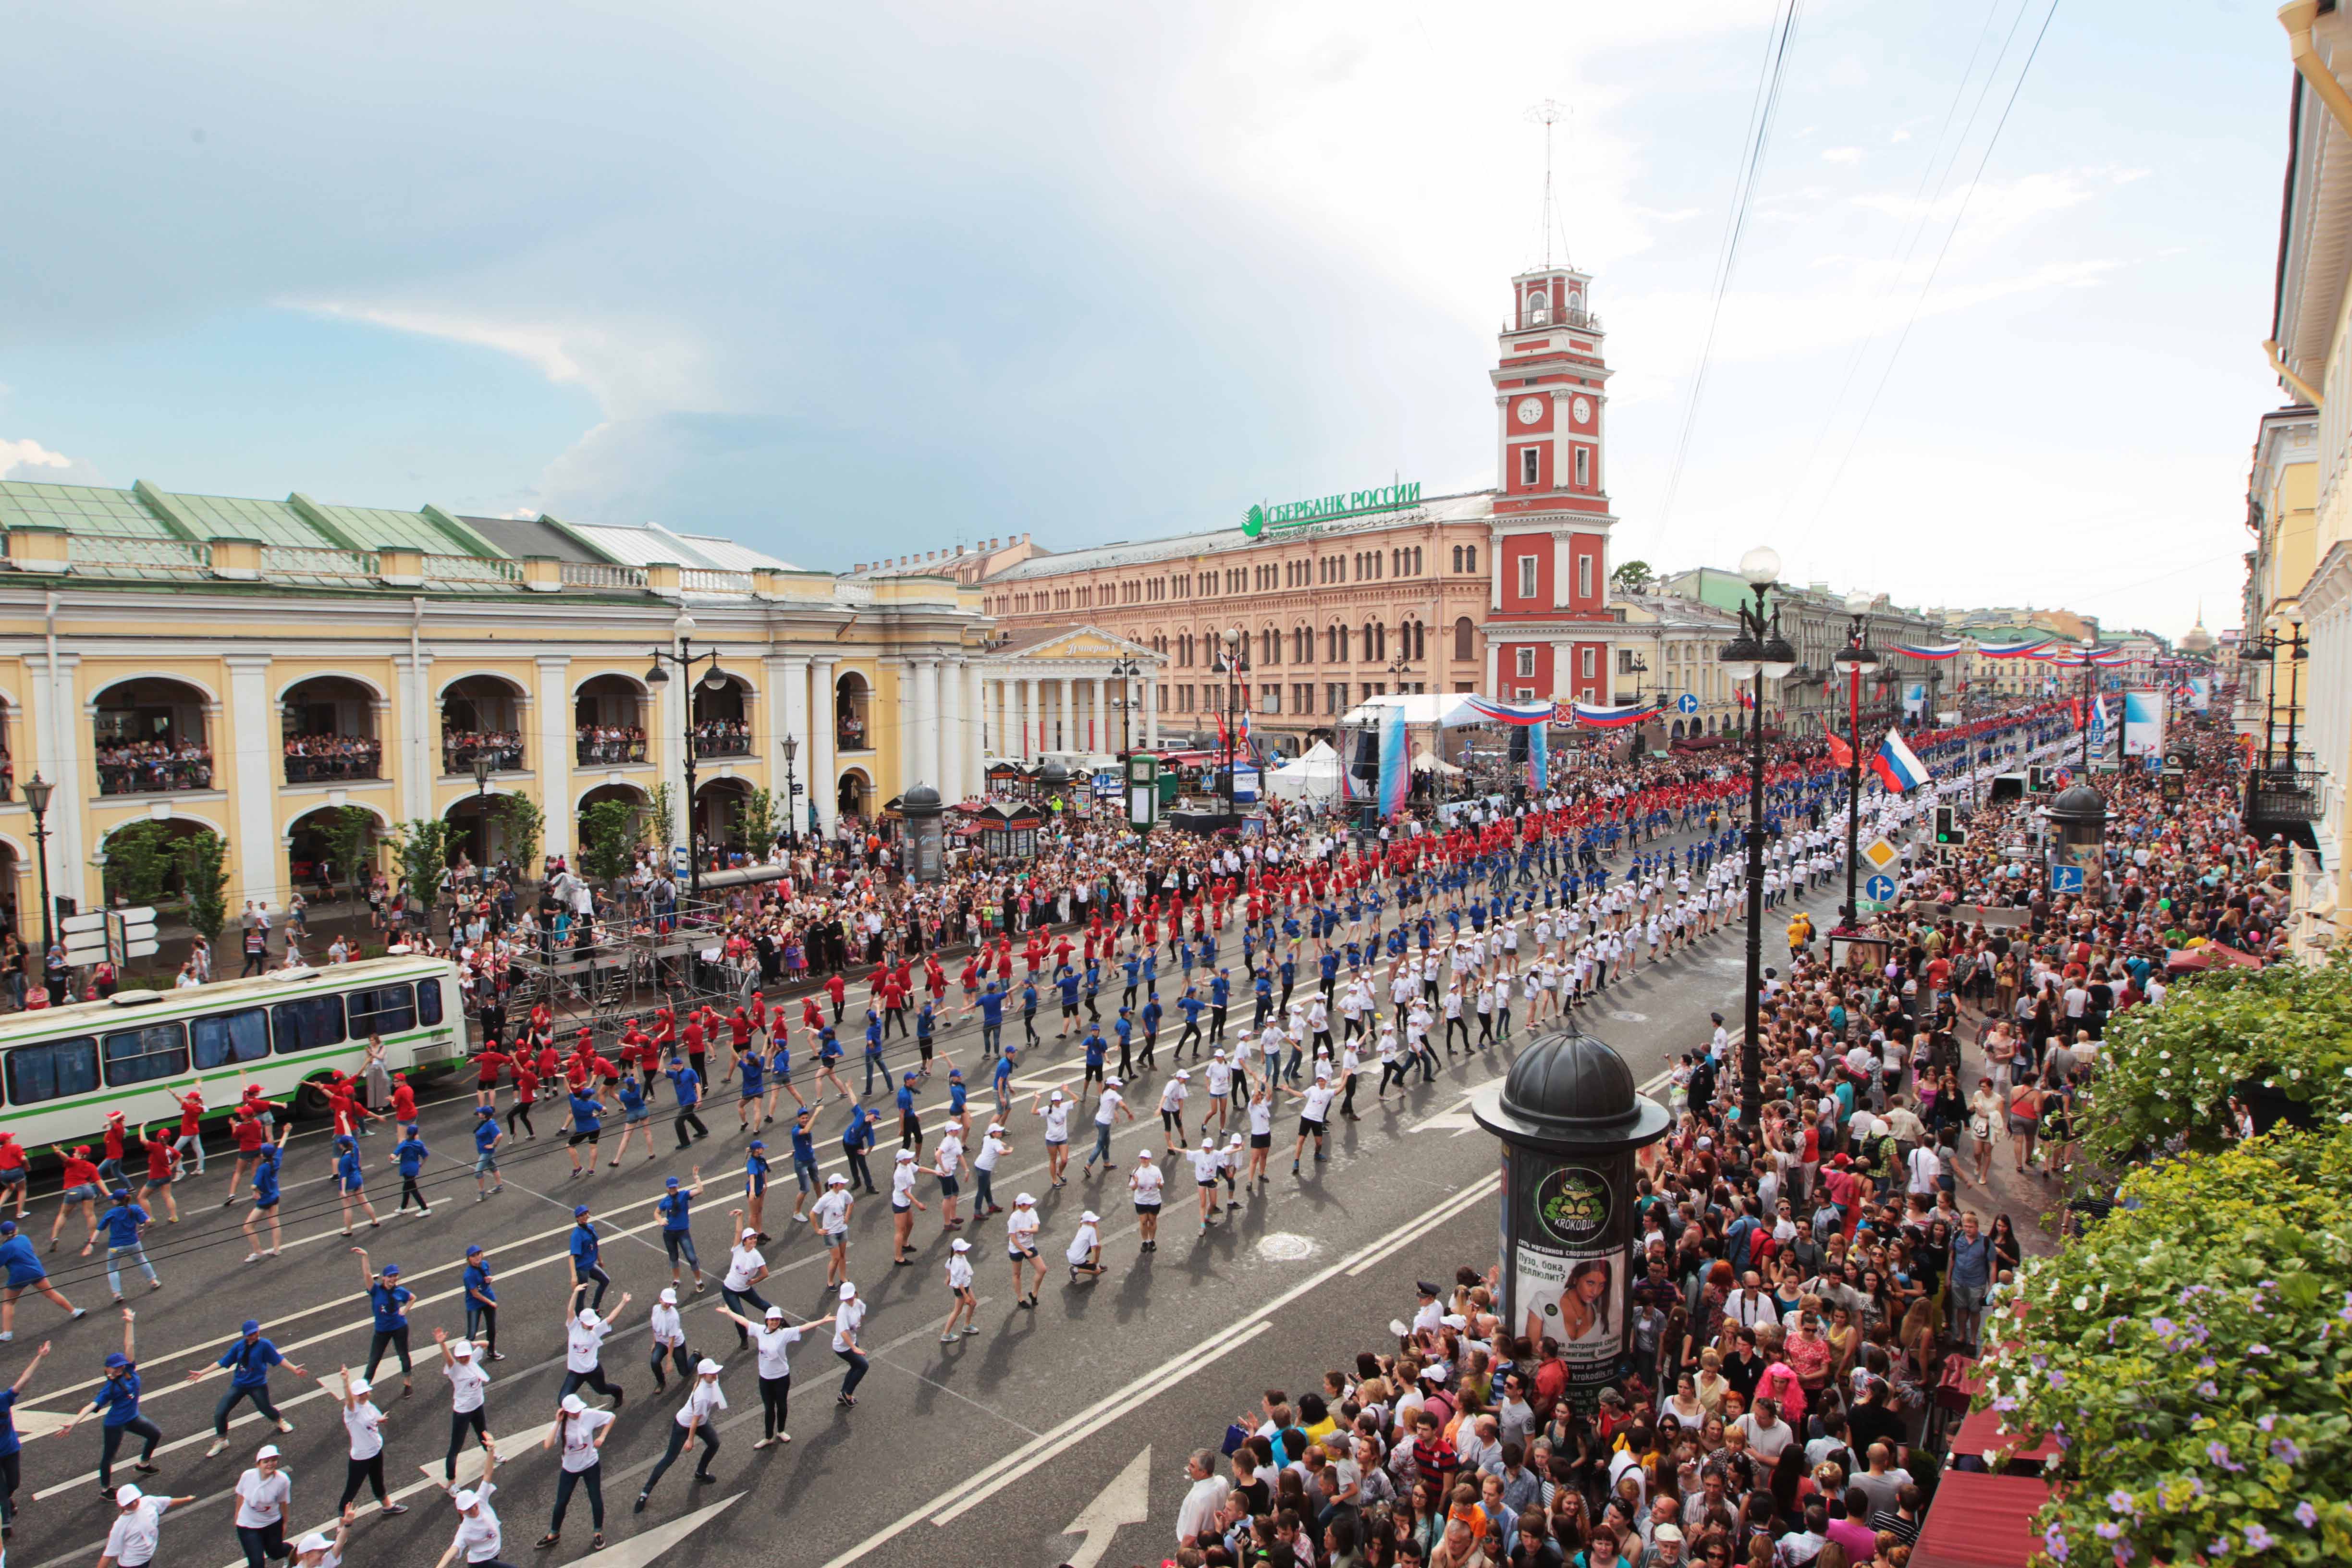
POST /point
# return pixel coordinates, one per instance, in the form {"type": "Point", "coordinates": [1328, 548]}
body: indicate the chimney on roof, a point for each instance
{"type": "Point", "coordinates": [959, 550]}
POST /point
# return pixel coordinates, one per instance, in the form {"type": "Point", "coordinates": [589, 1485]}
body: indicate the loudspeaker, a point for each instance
{"type": "Point", "coordinates": [1519, 745]}
{"type": "Point", "coordinates": [1366, 763]}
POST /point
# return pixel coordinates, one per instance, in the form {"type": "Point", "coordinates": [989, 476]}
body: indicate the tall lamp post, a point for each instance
{"type": "Point", "coordinates": [1854, 661]}
{"type": "Point", "coordinates": [36, 795]}
{"type": "Point", "coordinates": [1232, 637]}
{"type": "Point", "coordinates": [682, 654]}
{"type": "Point", "coordinates": [1124, 669]}
{"type": "Point", "coordinates": [792, 745]}
{"type": "Point", "coordinates": [1759, 653]}
{"type": "Point", "coordinates": [482, 766]}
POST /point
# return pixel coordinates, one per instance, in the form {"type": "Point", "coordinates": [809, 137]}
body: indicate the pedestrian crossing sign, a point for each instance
{"type": "Point", "coordinates": [1878, 853]}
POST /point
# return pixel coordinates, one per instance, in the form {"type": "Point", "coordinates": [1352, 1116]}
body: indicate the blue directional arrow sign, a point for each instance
{"type": "Point", "coordinates": [2065, 878]}
{"type": "Point", "coordinates": [1686, 702]}
{"type": "Point", "coordinates": [1881, 887]}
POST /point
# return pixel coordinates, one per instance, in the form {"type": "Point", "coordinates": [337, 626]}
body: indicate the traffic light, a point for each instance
{"type": "Point", "coordinates": [1949, 834]}
{"type": "Point", "coordinates": [2037, 779]}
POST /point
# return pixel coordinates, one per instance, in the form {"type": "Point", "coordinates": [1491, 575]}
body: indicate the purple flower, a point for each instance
{"type": "Point", "coordinates": [2110, 1531]}
{"type": "Point", "coordinates": [2057, 1379]}
{"type": "Point", "coordinates": [2220, 1454]}
{"type": "Point", "coordinates": [2305, 1515]}
{"type": "Point", "coordinates": [2119, 1501]}
{"type": "Point", "coordinates": [2258, 1348]}
{"type": "Point", "coordinates": [2162, 1327]}
{"type": "Point", "coordinates": [2285, 1450]}
{"type": "Point", "coordinates": [2004, 1404]}
{"type": "Point", "coordinates": [2258, 1538]}
{"type": "Point", "coordinates": [2266, 1421]}
{"type": "Point", "coordinates": [2210, 1389]}
{"type": "Point", "coordinates": [2056, 1543]}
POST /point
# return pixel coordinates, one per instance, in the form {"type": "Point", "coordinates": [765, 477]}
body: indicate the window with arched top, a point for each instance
{"type": "Point", "coordinates": [1465, 638]}
{"type": "Point", "coordinates": [1538, 307]}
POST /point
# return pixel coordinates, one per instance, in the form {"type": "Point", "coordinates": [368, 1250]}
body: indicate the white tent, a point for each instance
{"type": "Point", "coordinates": [1312, 779]}
{"type": "Point", "coordinates": [1425, 761]}
{"type": "Point", "coordinates": [1446, 710]}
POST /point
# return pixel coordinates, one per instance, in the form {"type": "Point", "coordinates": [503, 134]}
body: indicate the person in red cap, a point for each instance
{"type": "Point", "coordinates": [13, 1172]}
{"type": "Point", "coordinates": [81, 1186]}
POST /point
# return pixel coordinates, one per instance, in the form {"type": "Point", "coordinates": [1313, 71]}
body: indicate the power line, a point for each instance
{"type": "Point", "coordinates": [1975, 181]}
{"type": "Point", "coordinates": [1760, 114]}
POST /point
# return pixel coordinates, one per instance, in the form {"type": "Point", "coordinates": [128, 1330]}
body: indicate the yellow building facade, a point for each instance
{"type": "Point", "coordinates": [246, 666]}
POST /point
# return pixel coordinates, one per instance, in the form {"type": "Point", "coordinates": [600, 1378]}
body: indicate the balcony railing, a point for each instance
{"type": "Point", "coordinates": [2281, 794]}
{"type": "Point", "coordinates": [850, 733]}
{"type": "Point", "coordinates": [331, 759]}
{"type": "Point", "coordinates": [722, 745]}
{"type": "Point", "coordinates": [702, 580]}
{"type": "Point", "coordinates": [505, 752]}
{"type": "Point", "coordinates": [610, 750]}
{"type": "Point", "coordinates": [154, 769]}
{"type": "Point", "coordinates": [597, 574]}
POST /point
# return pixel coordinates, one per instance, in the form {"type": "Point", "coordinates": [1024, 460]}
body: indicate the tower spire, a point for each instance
{"type": "Point", "coordinates": [1548, 113]}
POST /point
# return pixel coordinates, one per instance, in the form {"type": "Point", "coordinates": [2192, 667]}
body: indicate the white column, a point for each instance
{"type": "Point", "coordinates": [951, 729]}
{"type": "Point", "coordinates": [1029, 711]}
{"type": "Point", "coordinates": [786, 707]}
{"type": "Point", "coordinates": [557, 750]}
{"type": "Point", "coordinates": [419, 761]}
{"type": "Point", "coordinates": [1151, 708]}
{"type": "Point", "coordinates": [60, 733]}
{"type": "Point", "coordinates": [925, 761]}
{"type": "Point", "coordinates": [822, 778]}
{"type": "Point", "coordinates": [673, 703]}
{"type": "Point", "coordinates": [253, 741]}
{"type": "Point", "coordinates": [975, 779]}
{"type": "Point", "coordinates": [1098, 738]}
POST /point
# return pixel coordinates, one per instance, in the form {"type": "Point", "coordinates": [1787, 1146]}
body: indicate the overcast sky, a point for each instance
{"type": "Point", "coordinates": [849, 280]}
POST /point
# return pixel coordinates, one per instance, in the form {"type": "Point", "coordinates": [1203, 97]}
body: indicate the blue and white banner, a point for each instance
{"type": "Point", "coordinates": [2143, 723]}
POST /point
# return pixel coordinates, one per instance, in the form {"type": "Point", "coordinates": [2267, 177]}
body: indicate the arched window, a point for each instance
{"type": "Point", "coordinates": [1470, 554]}
{"type": "Point", "coordinates": [1457, 558]}
{"type": "Point", "coordinates": [1419, 652]}
{"type": "Point", "coordinates": [1538, 307]}
{"type": "Point", "coordinates": [1464, 639]}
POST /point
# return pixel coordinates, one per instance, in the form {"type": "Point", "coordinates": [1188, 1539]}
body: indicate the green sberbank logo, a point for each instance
{"type": "Point", "coordinates": [1325, 508]}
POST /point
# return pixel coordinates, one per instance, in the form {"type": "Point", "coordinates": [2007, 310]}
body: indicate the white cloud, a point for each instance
{"type": "Point", "coordinates": [15, 455]}
{"type": "Point", "coordinates": [1841, 155]}
{"type": "Point", "coordinates": [626, 366]}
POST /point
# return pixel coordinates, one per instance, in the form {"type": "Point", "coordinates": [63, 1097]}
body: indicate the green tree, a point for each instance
{"type": "Point", "coordinates": [609, 834]}
{"type": "Point", "coordinates": [1633, 577]}
{"type": "Point", "coordinates": [753, 821]}
{"type": "Point", "coordinates": [661, 815]}
{"type": "Point", "coordinates": [349, 833]}
{"type": "Point", "coordinates": [139, 863]}
{"type": "Point", "coordinates": [202, 857]}
{"type": "Point", "coordinates": [421, 846]}
{"type": "Point", "coordinates": [523, 824]}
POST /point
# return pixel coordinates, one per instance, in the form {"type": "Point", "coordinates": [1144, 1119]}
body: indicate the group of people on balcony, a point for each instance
{"type": "Point", "coordinates": [460, 747]}
{"type": "Point", "coordinates": [316, 759]}
{"type": "Point", "coordinates": [722, 738]}
{"type": "Point", "coordinates": [611, 744]}
{"type": "Point", "coordinates": [143, 767]}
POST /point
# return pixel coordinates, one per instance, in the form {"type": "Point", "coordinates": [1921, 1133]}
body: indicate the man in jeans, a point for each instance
{"type": "Point", "coordinates": [1971, 1277]}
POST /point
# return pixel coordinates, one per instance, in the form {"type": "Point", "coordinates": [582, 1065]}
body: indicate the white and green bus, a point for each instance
{"type": "Point", "coordinates": [63, 1069]}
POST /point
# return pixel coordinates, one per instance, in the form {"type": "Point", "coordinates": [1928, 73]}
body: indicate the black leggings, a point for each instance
{"type": "Point", "coordinates": [775, 1396]}
{"type": "Point", "coordinates": [367, 1472]}
{"type": "Point", "coordinates": [258, 1392]}
{"type": "Point", "coordinates": [261, 1546]}
{"type": "Point", "coordinates": [523, 1113]}
{"type": "Point", "coordinates": [387, 1339]}
{"type": "Point", "coordinates": [111, 1444]}
{"type": "Point", "coordinates": [592, 1378]}
{"type": "Point", "coordinates": [592, 1477]}
{"type": "Point", "coordinates": [677, 1357]}
{"type": "Point", "coordinates": [12, 1476]}
{"type": "Point", "coordinates": [460, 1423]}
{"type": "Point", "coordinates": [409, 1189]}
{"type": "Point", "coordinates": [678, 1436]}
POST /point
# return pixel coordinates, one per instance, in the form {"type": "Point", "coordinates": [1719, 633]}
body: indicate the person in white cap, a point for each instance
{"type": "Point", "coordinates": [1314, 1116]}
{"type": "Point", "coordinates": [1055, 1110]}
{"type": "Point", "coordinates": [746, 1266]}
{"type": "Point", "coordinates": [967, 1304]}
{"type": "Point", "coordinates": [830, 1217]}
{"type": "Point", "coordinates": [993, 1146]}
{"type": "Point", "coordinates": [1020, 1228]}
{"type": "Point", "coordinates": [903, 1204]}
{"type": "Point", "coordinates": [583, 1347]}
{"type": "Point", "coordinates": [364, 1425]}
{"type": "Point", "coordinates": [847, 1319]}
{"type": "Point", "coordinates": [775, 1337]}
{"type": "Point", "coordinates": [1147, 1184]}
{"type": "Point", "coordinates": [468, 1394]}
{"type": "Point", "coordinates": [698, 1416]}
{"type": "Point", "coordinates": [668, 1331]}
{"type": "Point", "coordinates": [1085, 1252]}
{"type": "Point", "coordinates": [479, 1538]}
{"type": "Point", "coordinates": [1221, 1088]}
{"type": "Point", "coordinates": [1171, 1111]}
{"type": "Point", "coordinates": [1229, 1165]}
{"type": "Point", "coordinates": [1206, 1164]}
{"type": "Point", "coordinates": [1261, 1127]}
{"type": "Point", "coordinates": [261, 1497]}
{"type": "Point", "coordinates": [1107, 1110]}
{"type": "Point", "coordinates": [136, 1534]}
{"type": "Point", "coordinates": [317, 1551]}
{"type": "Point", "coordinates": [582, 1432]}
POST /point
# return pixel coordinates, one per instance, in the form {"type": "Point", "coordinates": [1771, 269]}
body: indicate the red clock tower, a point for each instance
{"type": "Point", "coordinates": [1549, 625]}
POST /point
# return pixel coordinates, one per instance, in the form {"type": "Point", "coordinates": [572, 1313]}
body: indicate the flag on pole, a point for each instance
{"type": "Point", "coordinates": [1896, 767]}
{"type": "Point", "coordinates": [1840, 753]}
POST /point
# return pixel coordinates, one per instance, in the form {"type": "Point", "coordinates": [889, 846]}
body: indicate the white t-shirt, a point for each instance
{"type": "Point", "coordinates": [581, 1346]}
{"type": "Point", "coordinates": [1020, 1230]}
{"type": "Point", "coordinates": [134, 1537]}
{"type": "Point", "coordinates": [478, 1533]}
{"type": "Point", "coordinates": [580, 1439]}
{"type": "Point", "coordinates": [831, 1212]}
{"type": "Point", "coordinates": [466, 1381]}
{"type": "Point", "coordinates": [1057, 1122]}
{"type": "Point", "coordinates": [665, 1325]}
{"type": "Point", "coordinates": [1318, 1103]}
{"type": "Point", "coordinates": [773, 1362]}
{"type": "Point", "coordinates": [365, 1425]}
{"type": "Point", "coordinates": [261, 1500]}
{"type": "Point", "coordinates": [701, 1401]}
{"type": "Point", "coordinates": [1147, 1181]}
{"type": "Point", "coordinates": [1083, 1244]}
{"type": "Point", "coordinates": [1107, 1106]}
{"type": "Point", "coordinates": [991, 1149]}
{"type": "Point", "coordinates": [959, 1272]}
{"type": "Point", "coordinates": [847, 1319]}
{"type": "Point", "coordinates": [1206, 1162]}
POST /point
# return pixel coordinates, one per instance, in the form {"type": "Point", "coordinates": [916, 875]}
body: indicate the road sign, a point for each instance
{"type": "Point", "coordinates": [95, 921]}
{"type": "Point", "coordinates": [1880, 887]}
{"type": "Point", "coordinates": [1878, 855]}
{"type": "Point", "coordinates": [1687, 703]}
{"type": "Point", "coordinates": [2065, 878]}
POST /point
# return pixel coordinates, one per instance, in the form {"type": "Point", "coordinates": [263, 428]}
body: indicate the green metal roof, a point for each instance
{"type": "Point", "coordinates": [232, 517]}
{"type": "Point", "coordinates": [79, 508]}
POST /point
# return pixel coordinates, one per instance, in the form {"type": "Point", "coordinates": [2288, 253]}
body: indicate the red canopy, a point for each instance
{"type": "Point", "coordinates": [1981, 1521]}
{"type": "Point", "coordinates": [1982, 1432]}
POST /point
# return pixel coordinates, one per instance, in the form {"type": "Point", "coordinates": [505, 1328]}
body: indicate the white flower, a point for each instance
{"type": "Point", "coordinates": [2082, 1304]}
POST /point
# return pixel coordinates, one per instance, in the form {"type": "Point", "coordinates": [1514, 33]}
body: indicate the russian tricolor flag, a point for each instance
{"type": "Point", "coordinates": [1896, 767]}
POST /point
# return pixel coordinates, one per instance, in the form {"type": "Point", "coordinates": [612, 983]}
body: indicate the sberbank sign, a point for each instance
{"type": "Point", "coordinates": [1324, 509]}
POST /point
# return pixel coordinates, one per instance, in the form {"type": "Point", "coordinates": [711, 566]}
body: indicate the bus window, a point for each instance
{"type": "Point", "coordinates": [307, 1025]}
{"type": "Point", "coordinates": [428, 1001]}
{"type": "Point", "coordinates": [52, 1069]}
{"type": "Point", "coordinates": [227, 1039]}
{"type": "Point", "coordinates": [386, 1010]}
{"type": "Point", "coordinates": [142, 1055]}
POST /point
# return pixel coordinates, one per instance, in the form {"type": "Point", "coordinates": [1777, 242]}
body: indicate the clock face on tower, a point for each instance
{"type": "Point", "coordinates": [1531, 409]}
{"type": "Point", "coordinates": [1582, 411]}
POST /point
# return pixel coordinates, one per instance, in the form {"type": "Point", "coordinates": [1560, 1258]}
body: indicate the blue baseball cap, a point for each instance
{"type": "Point", "coordinates": [758, 1143]}
{"type": "Point", "coordinates": [473, 1251]}
{"type": "Point", "coordinates": [580, 1211]}
{"type": "Point", "coordinates": [671, 1182]}
{"type": "Point", "coordinates": [115, 1360]}
{"type": "Point", "coordinates": [389, 1269]}
{"type": "Point", "coordinates": [484, 1110]}
{"type": "Point", "coordinates": [250, 1326]}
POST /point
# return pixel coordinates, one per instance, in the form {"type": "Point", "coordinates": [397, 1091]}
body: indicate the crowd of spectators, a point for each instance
{"type": "Point", "coordinates": [610, 743]}
{"type": "Point", "coordinates": [316, 759]}
{"type": "Point", "coordinates": [460, 747]}
{"type": "Point", "coordinates": [143, 767]}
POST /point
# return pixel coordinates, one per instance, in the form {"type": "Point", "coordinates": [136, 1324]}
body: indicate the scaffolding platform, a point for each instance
{"type": "Point", "coordinates": [642, 962]}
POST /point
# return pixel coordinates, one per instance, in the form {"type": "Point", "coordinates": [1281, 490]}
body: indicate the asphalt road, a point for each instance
{"type": "Point", "coordinates": [981, 1452]}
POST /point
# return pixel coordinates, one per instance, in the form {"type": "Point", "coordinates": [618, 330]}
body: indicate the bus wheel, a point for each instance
{"type": "Point", "coordinates": [310, 1099]}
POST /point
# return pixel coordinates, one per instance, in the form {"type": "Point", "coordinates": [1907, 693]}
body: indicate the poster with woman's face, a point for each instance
{"type": "Point", "coordinates": [1569, 1270]}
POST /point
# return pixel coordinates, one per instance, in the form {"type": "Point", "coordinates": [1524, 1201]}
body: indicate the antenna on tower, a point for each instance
{"type": "Point", "coordinates": [1549, 114]}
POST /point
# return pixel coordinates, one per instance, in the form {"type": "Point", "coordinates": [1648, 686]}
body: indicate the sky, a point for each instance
{"type": "Point", "coordinates": [853, 281]}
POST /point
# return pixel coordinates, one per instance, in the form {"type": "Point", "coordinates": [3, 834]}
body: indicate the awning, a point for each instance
{"type": "Point", "coordinates": [1981, 1521]}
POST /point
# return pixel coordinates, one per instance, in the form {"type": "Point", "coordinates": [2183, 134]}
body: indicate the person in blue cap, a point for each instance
{"type": "Point", "coordinates": [351, 1181]}
{"type": "Point", "coordinates": [409, 1155]}
{"type": "Point", "coordinates": [688, 1084]}
{"type": "Point", "coordinates": [676, 1209]}
{"type": "Point", "coordinates": [804, 1177]}
{"type": "Point", "coordinates": [855, 1140]}
{"type": "Point", "coordinates": [486, 1139]}
{"type": "Point", "coordinates": [586, 1247]}
{"type": "Point", "coordinates": [587, 1127]}
{"type": "Point", "coordinates": [755, 1184]}
{"type": "Point", "coordinates": [115, 1404]}
{"type": "Point", "coordinates": [11, 1444]}
{"type": "Point", "coordinates": [482, 1303]}
{"type": "Point", "coordinates": [390, 1299]}
{"type": "Point", "coordinates": [910, 1126]}
{"type": "Point", "coordinates": [26, 1272]}
{"type": "Point", "coordinates": [248, 1360]}
{"type": "Point", "coordinates": [124, 1224]}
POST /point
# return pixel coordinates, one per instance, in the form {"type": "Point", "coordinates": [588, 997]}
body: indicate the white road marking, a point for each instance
{"type": "Point", "coordinates": [1127, 1500]}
